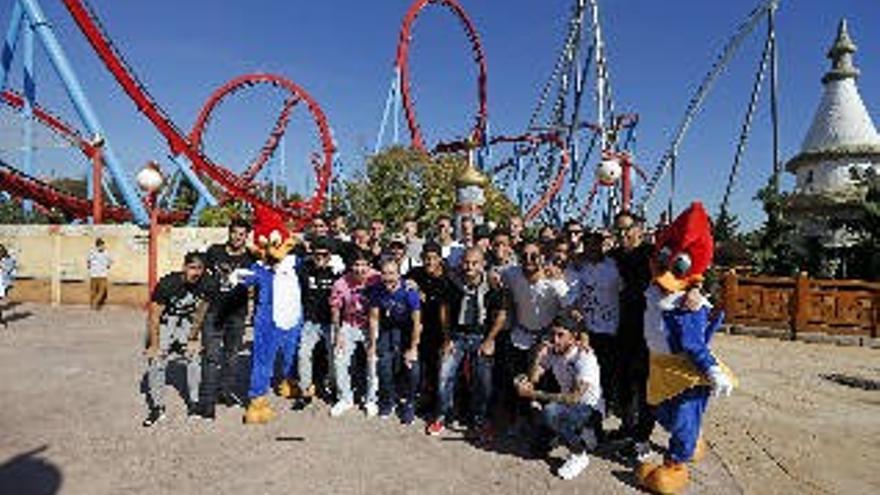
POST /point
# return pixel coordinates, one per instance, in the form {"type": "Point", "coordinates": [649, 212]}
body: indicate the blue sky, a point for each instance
{"type": "Point", "coordinates": [342, 52]}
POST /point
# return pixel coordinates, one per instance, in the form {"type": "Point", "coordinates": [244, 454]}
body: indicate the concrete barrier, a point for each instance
{"type": "Point", "coordinates": [52, 259]}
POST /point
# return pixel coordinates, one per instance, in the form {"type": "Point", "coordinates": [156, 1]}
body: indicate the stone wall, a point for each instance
{"type": "Point", "coordinates": [52, 259]}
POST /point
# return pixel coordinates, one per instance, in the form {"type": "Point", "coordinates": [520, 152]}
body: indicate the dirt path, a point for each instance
{"type": "Point", "coordinates": [71, 412]}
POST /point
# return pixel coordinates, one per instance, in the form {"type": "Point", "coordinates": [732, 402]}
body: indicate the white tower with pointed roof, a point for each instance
{"type": "Point", "coordinates": [842, 138]}
{"type": "Point", "coordinates": [840, 147]}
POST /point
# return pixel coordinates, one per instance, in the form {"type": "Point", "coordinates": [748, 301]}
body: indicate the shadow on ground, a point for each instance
{"type": "Point", "coordinates": [27, 473]}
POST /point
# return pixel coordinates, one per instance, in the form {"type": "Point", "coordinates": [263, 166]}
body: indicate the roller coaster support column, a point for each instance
{"type": "Point", "coordinates": [27, 110]}
{"type": "Point", "coordinates": [205, 196]}
{"type": "Point", "coordinates": [98, 181]}
{"type": "Point", "coordinates": [83, 107]}
{"type": "Point", "coordinates": [151, 180]}
{"type": "Point", "coordinates": [626, 181]}
{"type": "Point", "coordinates": [9, 43]}
{"type": "Point", "coordinates": [153, 251]}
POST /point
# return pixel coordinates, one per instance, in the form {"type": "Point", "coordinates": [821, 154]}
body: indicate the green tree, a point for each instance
{"type": "Point", "coordinates": [774, 244]}
{"type": "Point", "coordinates": [401, 182]}
{"type": "Point", "coordinates": [222, 215]}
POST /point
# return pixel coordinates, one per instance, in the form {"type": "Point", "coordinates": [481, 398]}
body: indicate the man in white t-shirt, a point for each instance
{"type": "Point", "coordinates": [594, 291]}
{"type": "Point", "coordinates": [536, 301]}
{"type": "Point", "coordinates": [98, 263]}
{"type": "Point", "coordinates": [575, 413]}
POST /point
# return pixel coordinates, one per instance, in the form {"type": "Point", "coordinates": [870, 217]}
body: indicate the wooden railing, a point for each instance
{"type": "Point", "coordinates": [802, 305]}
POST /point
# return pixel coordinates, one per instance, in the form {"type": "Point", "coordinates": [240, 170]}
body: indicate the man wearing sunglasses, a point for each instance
{"type": "Point", "coordinates": [537, 299]}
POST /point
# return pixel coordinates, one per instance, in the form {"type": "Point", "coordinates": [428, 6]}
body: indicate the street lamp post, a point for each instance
{"type": "Point", "coordinates": [97, 180]}
{"type": "Point", "coordinates": [150, 180]}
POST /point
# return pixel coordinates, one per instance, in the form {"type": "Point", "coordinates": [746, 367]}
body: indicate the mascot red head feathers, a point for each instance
{"type": "Point", "coordinates": [272, 239]}
{"type": "Point", "coordinates": [684, 250]}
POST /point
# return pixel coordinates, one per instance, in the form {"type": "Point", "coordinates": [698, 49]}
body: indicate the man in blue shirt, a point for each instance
{"type": "Point", "coordinates": [395, 330]}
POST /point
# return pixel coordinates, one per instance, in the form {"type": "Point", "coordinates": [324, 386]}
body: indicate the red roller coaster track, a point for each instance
{"type": "Point", "coordinates": [238, 84]}
{"type": "Point", "coordinates": [299, 211]}
{"type": "Point", "coordinates": [402, 62]}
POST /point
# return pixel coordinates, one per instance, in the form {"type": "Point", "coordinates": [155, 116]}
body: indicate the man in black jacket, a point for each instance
{"type": "Point", "coordinates": [225, 322]}
{"type": "Point", "coordinates": [633, 257]}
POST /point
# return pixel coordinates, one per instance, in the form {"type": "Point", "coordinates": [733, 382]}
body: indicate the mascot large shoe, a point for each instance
{"type": "Point", "coordinates": [278, 311]}
{"type": "Point", "coordinates": [683, 370]}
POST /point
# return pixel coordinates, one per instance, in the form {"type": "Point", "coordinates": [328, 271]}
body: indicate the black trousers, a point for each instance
{"type": "Point", "coordinates": [631, 379]}
{"type": "Point", "coordinates": [605, 347]}
{"type": "Point", "coordinates": [222, 337]}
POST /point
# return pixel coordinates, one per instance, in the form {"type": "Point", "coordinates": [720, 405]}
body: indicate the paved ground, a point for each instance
{"type": "Point", "coordinates": [71, 412]}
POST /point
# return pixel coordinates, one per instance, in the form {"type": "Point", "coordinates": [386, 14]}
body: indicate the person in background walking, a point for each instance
{"type": "Point", "coordinates": [98, 263]}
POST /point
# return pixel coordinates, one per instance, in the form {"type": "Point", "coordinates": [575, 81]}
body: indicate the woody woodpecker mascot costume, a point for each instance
{"type": "Point", "coordinates": [683, 370]}
{"type": "Point", "coordinates": [277, 314]}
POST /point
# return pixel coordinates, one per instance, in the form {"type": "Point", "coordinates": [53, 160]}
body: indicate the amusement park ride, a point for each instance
{"type": "Point", "coordinates": [562, 164]}
{"type": "Point", "coordinates": [575, 151]}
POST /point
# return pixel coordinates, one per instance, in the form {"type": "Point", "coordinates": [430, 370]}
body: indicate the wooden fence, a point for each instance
{"type": "Point", "coordinates": [802, 305]}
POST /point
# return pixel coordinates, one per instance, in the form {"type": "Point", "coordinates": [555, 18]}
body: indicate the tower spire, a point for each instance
{"type": "Point", "coordinates": [841, 55]}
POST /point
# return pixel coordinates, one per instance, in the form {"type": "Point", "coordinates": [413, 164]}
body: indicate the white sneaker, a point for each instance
{"type": "Point", "coordinates": [574, 466]}
{"type": "Point", "coordinates": [340, 408]}
{"type": "Point", "coordinates": [371, 409]}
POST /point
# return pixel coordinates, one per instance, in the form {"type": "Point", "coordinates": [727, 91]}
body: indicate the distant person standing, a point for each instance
{"type": "Point", "coordinates": [99, 262]}
{"type": "Point", "coordinates": [7, 277]}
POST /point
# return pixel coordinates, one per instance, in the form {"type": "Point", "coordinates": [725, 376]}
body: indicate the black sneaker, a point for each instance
{"type": "Point", "coordinates": [617, 436]}
{"type": "Point", "coordinates": [300, 403]}
{"type": "Point", "coordinates": [229, 399]}
{"type": "Point", "coordinates": [203, 412]}
{"type": "Point", "coordinates": [156, 414]}
{"type": "Point", "coordinates": [634, 452]}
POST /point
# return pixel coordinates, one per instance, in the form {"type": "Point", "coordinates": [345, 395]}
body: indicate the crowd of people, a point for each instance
{"type": "Point", "coordinates": [538, 338]}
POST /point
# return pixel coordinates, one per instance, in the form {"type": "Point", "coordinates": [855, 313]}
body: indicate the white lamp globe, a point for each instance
{"type": "Point", "coordinates": [150, 178]}
{"type": "Point", "coordinates": [609, 171]}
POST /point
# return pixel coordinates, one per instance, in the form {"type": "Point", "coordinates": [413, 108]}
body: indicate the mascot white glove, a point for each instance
{"type": "Point", "coordinates": [239, 274]}
{"type": "Point", "coordinates": [722, 385]}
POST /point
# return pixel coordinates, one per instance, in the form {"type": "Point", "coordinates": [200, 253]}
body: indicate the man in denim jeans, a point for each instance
{"type": "Point", "coordinates": [395, 330]}
{"type": "Point", "coordinates": [348, 312]}
{"type": "Point", "coordinates": [316, 279]}
{"type": "Point", "coordinates": [575, 413]}
{"type": "Point", "coordinates": [477, 313]}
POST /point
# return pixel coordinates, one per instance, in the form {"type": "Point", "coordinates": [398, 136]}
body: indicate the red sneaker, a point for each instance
{"type": "Point", "coordinates": [435, 428]}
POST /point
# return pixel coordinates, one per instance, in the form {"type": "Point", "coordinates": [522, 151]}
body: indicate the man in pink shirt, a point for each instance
{"type": "Point", "coordinates": [349, 310]}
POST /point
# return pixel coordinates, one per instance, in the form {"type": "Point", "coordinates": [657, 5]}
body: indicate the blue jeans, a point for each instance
{"type": "Point", "coordinates": [466, 345]}
{"type": "Point", "coordinates": [351, 337]}
{"type": "Point", "coordinates": [312, 333]}
{"type": "Point", "coordinates": [391, 368]}
{"type": "Point", "coordinates": [575, 425]}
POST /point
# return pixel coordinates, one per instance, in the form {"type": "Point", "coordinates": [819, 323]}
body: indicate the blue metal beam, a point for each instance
{"type": "Point", "coordinates": [9, 43]}
{"type": "Point", "coordinates": [27, 109]}
{"type": "Point", "coordinates": [193, 179]}
{"type": "Point", "coordinates": [84, 108]}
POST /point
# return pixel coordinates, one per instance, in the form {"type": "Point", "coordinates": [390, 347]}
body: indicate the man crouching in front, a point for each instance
{"type": "Point", "coordinates": [574, 414]}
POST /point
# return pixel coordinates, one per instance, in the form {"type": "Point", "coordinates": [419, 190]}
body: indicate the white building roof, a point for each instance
{"type": "Point", "coordinates": [841, 125]}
